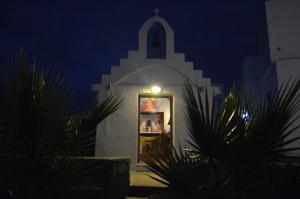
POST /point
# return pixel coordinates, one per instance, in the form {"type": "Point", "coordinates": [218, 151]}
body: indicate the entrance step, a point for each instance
{"type": "Point", "coordinates": [143, 186]}
{"type": "Point", "coordinates": [141, 168]}
{"type": "Point", "coordinates": [144, 192]}
{"type": "Point", "coordinates": [143, 179]}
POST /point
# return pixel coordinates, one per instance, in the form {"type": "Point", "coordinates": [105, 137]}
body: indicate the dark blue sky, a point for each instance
{"type": "Point", "coordinates": [82, 39]}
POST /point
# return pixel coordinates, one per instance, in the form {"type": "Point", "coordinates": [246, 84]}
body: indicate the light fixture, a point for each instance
{"type": "Point", "coordinates": [155, 89]}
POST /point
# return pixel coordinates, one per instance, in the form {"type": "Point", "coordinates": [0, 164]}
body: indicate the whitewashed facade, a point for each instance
{"type": "Point", "coordinates": [119, 135]}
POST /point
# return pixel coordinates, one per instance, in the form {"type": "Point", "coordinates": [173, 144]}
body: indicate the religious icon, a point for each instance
{"type": "Point", "coordinates": [150, 105]}
{"type": "Point", "coordinates": [156, 124]}
{"type": "Point", "coordinates": [152, 122]}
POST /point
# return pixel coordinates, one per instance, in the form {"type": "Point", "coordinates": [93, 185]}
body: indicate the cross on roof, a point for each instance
{"type": "Point", "coordinates": [156, 11]}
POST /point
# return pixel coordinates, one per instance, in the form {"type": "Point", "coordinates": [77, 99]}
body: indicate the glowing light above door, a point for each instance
{"type": "Point", "coordinates": [155, 89]}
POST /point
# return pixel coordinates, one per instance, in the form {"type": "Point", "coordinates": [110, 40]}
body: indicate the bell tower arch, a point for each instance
{"type": "Point", "coordinates": [169, 35]}
{"type": "Point", "coordinates": [156, 42]}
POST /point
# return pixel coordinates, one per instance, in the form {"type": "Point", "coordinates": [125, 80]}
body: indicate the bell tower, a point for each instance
{"type": "Point", "coordinates": [156, 38]}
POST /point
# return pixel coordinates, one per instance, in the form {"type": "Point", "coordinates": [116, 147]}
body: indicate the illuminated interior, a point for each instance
{"type": "Point", "coordinates": [155, 125]}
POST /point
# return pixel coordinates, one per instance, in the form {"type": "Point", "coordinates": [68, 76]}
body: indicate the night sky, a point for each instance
{"type": "Point", "coordinates": [83, 39]}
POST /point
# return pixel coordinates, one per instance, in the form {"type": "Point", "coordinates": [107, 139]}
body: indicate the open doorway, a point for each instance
{"type": "Point", "coordinates": [155, 125]}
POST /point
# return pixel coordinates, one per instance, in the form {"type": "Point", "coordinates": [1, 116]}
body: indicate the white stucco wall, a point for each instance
{"type": "Point", "coordinates": [283, 18]}
{"type": "Point", "coordinates": [118, 134]}
{"type": "Point", "coordinates": [287, 69]}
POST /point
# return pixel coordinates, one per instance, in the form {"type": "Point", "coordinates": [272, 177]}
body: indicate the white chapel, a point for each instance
{"type": "Point", "coordinates": [150, 81]}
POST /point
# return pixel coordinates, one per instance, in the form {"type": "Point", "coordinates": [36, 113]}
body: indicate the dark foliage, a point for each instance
{"type": "Point", "coordinates": [42, 133]}
{"type": "Point", "coordinates": [251, 157]}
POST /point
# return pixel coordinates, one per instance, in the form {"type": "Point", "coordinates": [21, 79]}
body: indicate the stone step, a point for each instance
{"type": "Point", "coordinates": [143, 179]}
{"type": "Point", "coordinates": [135, 198]}
{"type": "Point", "coordinates": [142, 186]}
{"type": "Point", "coordinates": [145, 191]}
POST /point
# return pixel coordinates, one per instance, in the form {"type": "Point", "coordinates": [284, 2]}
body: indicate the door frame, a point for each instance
{"type": "Point", "coordinates": [150, 95]}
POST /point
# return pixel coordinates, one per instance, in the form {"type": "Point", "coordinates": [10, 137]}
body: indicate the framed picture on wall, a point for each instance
{"type": "Point", "coordinates": [149, 104]}
{"type": "Point", "coordinates": [151, 122]}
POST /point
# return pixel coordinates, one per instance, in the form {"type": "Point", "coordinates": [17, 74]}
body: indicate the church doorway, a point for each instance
{"type": "Point", "coordinates": [155, 125]}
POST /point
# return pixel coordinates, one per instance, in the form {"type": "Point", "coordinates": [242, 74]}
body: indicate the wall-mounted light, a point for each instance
{"type": "Point", "coordinates": [155, 89]}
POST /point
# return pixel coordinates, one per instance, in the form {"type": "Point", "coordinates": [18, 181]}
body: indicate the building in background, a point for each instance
{"type": "Point", "coordinates": [283, 20]}
{"type": "Point", "coordinates": [150, 80]}
{"type": "Point", "coordinates": [278, 60]}
{"type": "Point", "coordinates": [279, 48]}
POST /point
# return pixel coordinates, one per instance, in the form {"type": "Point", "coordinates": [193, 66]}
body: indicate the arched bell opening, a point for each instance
{"type": "Point", "coordinates": [156, 42]}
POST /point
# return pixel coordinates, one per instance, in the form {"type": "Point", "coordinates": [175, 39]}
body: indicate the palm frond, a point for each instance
{"type": "Point", "coordinates": [39, 121]}
{"type": "Point", "coordinates": [273, 131]}
{"type": "Point", "coordinates": [179, 171]}
{"type": "Point", "coordinates": [80, 131]}
{"type": "Point", "coordinates": [206, 133]}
